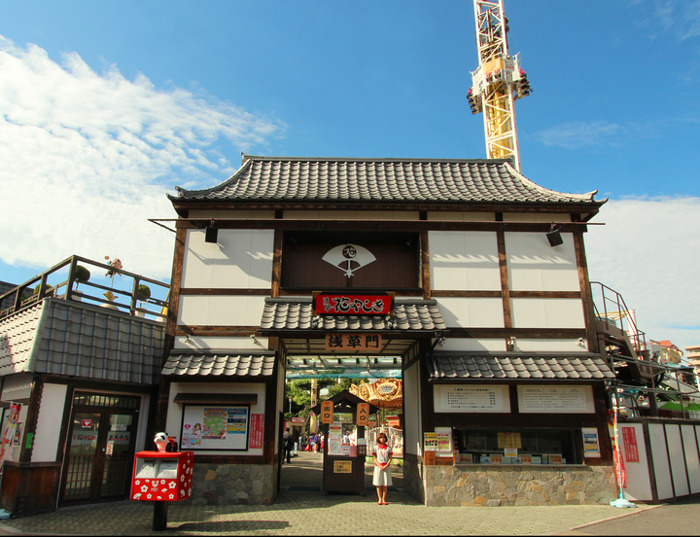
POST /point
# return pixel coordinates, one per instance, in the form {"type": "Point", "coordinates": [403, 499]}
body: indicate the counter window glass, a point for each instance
{"type": "Point", "coordinates": [521, 446]}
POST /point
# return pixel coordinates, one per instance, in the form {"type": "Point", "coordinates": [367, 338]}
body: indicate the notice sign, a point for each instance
{"type": "Point", "coordinates": [342, 467]}
{"type": "Point", "coordinates": [556, 399]}
{"type": "Point", "coordinates": [629, 443]}
{"type": "Point", "coordinates": [257, 421]}
{"type": "Point", "coordinates": [470, 398]}
{"type": "Point", "coordinates": [591, 447]}
{"type": "Point", "coordinates": [346, 304]}
{"type": "Point", "coordinates": [362, 418]}
{"type": "Point", "coordinates": [326, 411]}
{"type": "Point", "coordinates": [354, 342]}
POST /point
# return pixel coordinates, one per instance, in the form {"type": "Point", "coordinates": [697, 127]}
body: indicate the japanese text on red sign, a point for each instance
{"type": "Point", "coordinates": [352, 304]}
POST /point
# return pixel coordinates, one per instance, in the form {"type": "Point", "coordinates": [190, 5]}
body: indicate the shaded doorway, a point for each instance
{"type": "Point", "coordinates": [100, 447]}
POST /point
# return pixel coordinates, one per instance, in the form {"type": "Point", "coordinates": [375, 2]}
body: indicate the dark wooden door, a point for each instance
{"type": "Point", "coordinates": [99, 454]}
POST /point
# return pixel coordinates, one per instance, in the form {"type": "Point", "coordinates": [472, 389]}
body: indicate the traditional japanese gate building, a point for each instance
{"type": "Point", "coordinates": [490, 318]}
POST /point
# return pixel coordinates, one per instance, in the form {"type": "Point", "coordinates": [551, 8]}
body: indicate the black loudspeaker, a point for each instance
{"type": "Point", "coordinates": [554, 238]}
{"type": "Point", "coordinates": [211, 234]}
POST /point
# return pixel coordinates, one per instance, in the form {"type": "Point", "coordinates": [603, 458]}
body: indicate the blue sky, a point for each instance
{"type": "Point", "coordinates": [108, 105]}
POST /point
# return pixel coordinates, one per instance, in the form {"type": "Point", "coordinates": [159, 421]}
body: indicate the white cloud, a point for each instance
{"type": "Point", "coordinates": [86, 158]}
{"type": "Point", "coordinates": [649, 251]}
{"type": "Point", "coordinates": [579, 134]}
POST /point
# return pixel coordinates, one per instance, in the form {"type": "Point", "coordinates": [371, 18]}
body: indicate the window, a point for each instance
{"type": "Point", "coordinates": [518, 446]}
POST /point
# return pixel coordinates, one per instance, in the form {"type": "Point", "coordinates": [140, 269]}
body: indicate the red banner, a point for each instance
{"type": "Point", "coordinates": [257, 421]}
{"type": "Point", "coordinates": [629, 442]}
{"type": "Point", "coordinates": [341, 304]}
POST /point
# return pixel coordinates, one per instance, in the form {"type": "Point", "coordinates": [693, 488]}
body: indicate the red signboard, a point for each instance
{"type": "Point", "coordinates": [348, 304]}
{"type": "Point", "coordinates": [629, 441]}
{"type": "Point", "coordinates": [257, 421]}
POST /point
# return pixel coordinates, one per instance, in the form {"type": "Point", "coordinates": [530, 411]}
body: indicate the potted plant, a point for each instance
{"type": "Point", "coordinates": [82, 275]}
{"type": "Point", "coordinates": [143, 293]}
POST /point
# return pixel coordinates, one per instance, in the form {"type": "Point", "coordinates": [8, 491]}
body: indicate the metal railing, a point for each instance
{"type": "Point", "coordinates": [610, 309]}
{"type": "Point", "coordinates": [124, 291]}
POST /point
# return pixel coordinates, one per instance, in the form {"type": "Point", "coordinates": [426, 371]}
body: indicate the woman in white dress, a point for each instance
{"type": "Point", "coordinates": [382, 467]}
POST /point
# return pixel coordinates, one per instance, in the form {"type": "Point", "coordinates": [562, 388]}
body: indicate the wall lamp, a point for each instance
{"type": "Point", "coordinates": [211, 232]}
{"type": "Point", "coordinates": [554, 235]}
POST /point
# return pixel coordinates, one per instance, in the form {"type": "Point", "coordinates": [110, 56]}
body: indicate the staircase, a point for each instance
{"type": "Point", "coordinates": [620, 338]}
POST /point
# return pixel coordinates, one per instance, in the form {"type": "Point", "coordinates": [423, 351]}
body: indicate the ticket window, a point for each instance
{"type": "Point", "coordinates": [524, 446]}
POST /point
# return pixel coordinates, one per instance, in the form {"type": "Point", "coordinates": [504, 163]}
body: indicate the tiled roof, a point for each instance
{"type": "Point", "coordinates": [243, 364]}
{"type": "Point", "coordinates": [392, 181]}
{"type": "Point", "coordinates": [461, 366]}
{"type": "Point", "coordinates": [297, 314]}
{"type": "Point", "coordinates": [69, 338]}
{"type": "Point", "coordinates": [17, 336]}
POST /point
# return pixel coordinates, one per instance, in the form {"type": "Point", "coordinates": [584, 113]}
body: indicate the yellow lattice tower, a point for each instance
{"type": "Point", "coordinates": [497, 83]}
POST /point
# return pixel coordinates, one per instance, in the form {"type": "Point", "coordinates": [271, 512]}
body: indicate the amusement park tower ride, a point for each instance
{"type": "Point", "coordinates": [497, 83]}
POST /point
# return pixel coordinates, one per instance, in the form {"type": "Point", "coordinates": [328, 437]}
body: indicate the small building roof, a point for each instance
{"type": "Point", "coordinates": [231, 364]}
{"type": "Point", "coordinates": [564, 367]}
{"type": "Point", "coordinates": [342, 182]}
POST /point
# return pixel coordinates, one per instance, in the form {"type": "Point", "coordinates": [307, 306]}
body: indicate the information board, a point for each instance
{"type": "Point", "coordinates": [215, 427]}
{"type": "Point", "coordinates": [555, 399]}
{"type": "Point", "coordinates": [471, 398]}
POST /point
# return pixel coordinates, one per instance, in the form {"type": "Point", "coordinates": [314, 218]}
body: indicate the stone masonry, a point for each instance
{"type": "Point", "coordinates": [230, 484]}
{"type": "Point", "coordinates": [495, 486]}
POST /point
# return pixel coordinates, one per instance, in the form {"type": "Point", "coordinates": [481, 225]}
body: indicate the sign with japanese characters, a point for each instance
{"type": "Point", "coordinates": [354, 342]}
{"type": "Point", "coordinates": [349, 304]}
{"type": "Point", "coordinates": [471, 398]}
{"type": "Point", "coordinates": [362, 419]}
{"type": "Point", "coordinates": [326, 411]}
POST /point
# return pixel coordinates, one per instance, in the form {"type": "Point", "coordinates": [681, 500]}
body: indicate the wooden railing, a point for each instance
{"type": "Point", "coordinates": [63, 281]}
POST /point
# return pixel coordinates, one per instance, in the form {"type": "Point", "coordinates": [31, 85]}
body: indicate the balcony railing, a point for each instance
{"type": "Point", "coordinates": [63, 281]}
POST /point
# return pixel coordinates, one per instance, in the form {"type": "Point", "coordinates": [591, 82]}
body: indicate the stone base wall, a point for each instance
{"type": "Point", "coordinates": [228, 484]}
{"type": "Point", "coordinates": [518, 485]}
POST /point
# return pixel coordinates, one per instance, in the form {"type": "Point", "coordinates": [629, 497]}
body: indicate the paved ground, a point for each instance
{"type": "Point", "coordinates": [301, 509]}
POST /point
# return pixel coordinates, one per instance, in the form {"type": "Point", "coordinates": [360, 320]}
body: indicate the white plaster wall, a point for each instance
{"type": "Point", "coordinates": [550, 345]}
{"type": "Point", "coordinates": [464, 260]}
{"type": "Point", "coordinates": [242, 258]}
{"type": "Point", "coordinates": [207, 343]}
{"type": "Point", "coordinates": [48, 427]}
{"type": "Point", "coordinates": [473, 345]}
{"type": "Point", "coordinates": [350, 215]}
{"type": "Point", "coordinates": [659, 457]}
{"type": "Point", "coordinates": [536, 217]}
{"type": "Point", "coordinates": [677, 458]}
{"type": "Point", "coordinates": [461, 216]}
{"type": "Point", "coordinates": [412, 410]}
{"type": "Point", "coordinates": [472, 312]}
{"type": "Point", "coordinates": [690, 448]}
{"type": "Point", "coordinates": [221, 310]}
{"type": "Point", "coordinates": [533, 265]}
{"type": "Point", "coordinates": [174, 419]}
{"type": "Point", "coordinates": [547, 313]}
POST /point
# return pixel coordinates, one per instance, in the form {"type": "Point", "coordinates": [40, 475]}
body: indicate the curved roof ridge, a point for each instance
{"type": "Point", "coordinates": [530, 183]}
{"type": "Point", "coordinates": [246, 163]}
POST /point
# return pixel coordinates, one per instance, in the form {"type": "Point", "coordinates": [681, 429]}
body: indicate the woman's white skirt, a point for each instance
{"type": "Point", "coordinates": [382, 478]}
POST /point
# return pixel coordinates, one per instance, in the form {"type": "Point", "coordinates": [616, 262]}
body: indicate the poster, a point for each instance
{"type": "Point", "coordinates": [591, 446]}
{"type": "Point", "coordinates": [629, 444]}
{"type": "Point", "coordinates": [430, 441]}
{"type": "Point", "coordinates": [215, 427]}
{"type": "Point", "coordinates": [257, 422]}
{"type": "Point", "coordinates": [9, 433]}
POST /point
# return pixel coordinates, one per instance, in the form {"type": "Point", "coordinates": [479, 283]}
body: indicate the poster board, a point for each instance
{"type": "Point", "coordinates": [215, 427]}
{"type": "Point", "coordinates": [555, 399]}
{"type": "Point", "coordinates": [471, 398]}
